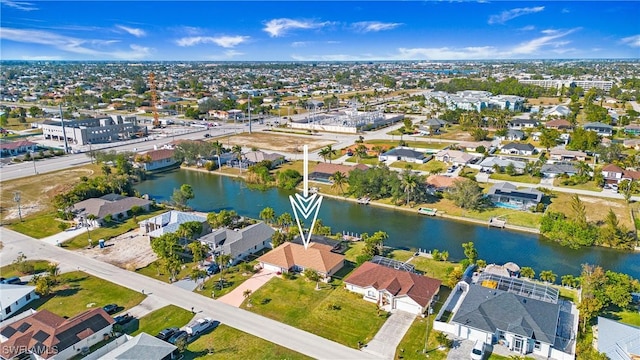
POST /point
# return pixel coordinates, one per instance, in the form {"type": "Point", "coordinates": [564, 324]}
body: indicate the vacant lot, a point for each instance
{"type": "Point", "coordinates": [270, 141]}
{"type": "Point", "coordinates": [596, 208]}
{"type": "Point", "coordinates": [333, 313]}
{"type": "Point", "coordinates": [168, 316]}
{"type": "Point", "coordinates": [131, 250]}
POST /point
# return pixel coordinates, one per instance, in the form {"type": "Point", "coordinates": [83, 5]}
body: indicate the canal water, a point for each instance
{"type": "Point", "coordinates": [406, 230]}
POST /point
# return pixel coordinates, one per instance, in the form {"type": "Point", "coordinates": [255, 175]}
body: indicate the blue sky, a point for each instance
{"type": "Point", "coordinates": [317, 31]}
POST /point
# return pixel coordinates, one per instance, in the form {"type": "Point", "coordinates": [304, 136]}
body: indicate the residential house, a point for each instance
{"type": "Point", "coordinates": [117, 206]}
{"type": "Point", "coordinates": [600, 128]}
{"type": "Point", "coordinates": [505, 194]}
{"type": "Point", "coordinates": [254, 157]}
{"type": "Point", "coordinates": [239, 243]}
{"type": "Point", "coordinates": [323, 171]}
{"type": "Point", "coordinates": [432, 126]}
{"type": "Point", "coordinates": [517, 315]}
{"type": "Point", "coordinates": [632, 129]}
{"type": "Point", "coordinates": [14, 148]}
{"type": "Point", "coordinates": [142, 346]}
{"type": "Point", "coordinates": [557, 111]}
{"type": "Point", "coordinates": [294, 257]}
{"type": "Point", "coordinates": [169, 222]}
{"type": "Point", "coordinates": [553, 170]}
{"type": "Point", "coordinates": [442, 182]}
{"type": "Point", "coordinates": [14, 297]}
{"type": "Point", "coordinates": [455, 157]}
{"type": "Point", "coordinates": [613, 174]}
{"type": "Point", "coordinates": [45, 335]}
{"type": "Point", "coordinates": [631, 143]}
{"type": "Point", "coordinates": [560, 154]}
{"type": "Point", "coordinates": [393, 289]}
{"type": "Point", "coordinates": [473, 145]}
{"type": "Point", "coordinates": [490, 163]}
{"type": "Point", "coordinates": [518, 149]}
{"type": "Point", "coordinates": [519, 124]}
{"type": "Point", "coordinates": [154, 160]}
{"type": "Point", "coordinates": [617, 340]}
{"type": "Point", "coordinates": [558, 124]}
{"type": "Point", "coordinates": [404, 154]}
{"type": "Point", "coordinates": [512, 135]}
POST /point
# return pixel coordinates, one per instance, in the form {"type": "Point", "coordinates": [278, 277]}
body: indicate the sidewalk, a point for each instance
{"type": "Point", "coordinates": [149, 304]}
{"type": "Point", "coordinates": [236, 296]}
{"type": "Point", "coordinates": [63, 236]}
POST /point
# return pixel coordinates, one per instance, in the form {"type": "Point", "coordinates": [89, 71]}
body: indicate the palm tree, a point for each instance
{"type": "Point", "coordinates": [237, 150]}
{"type": "Point", "coordinates": [361, 152]}
{"type": "Point", "coordinates": [327, 152]}
{"type": "Point", "coordinates": [268, 215]}
{"type": "Point", "coordinates": [246, 295]}
{"type": "Point", "coordinates": [223, 261]}
{"type": "Point", "coordinates": [198, 250]}
{"type": "Point", "coordinates": [409, 183]}
{"type": "Point", "coordinates": [378, 149]}
{"type": "Point", "coordinates": [548, 276]}
{"type": "Point", "coordinates": [197, 275]}
{"type": "Point", "coordinates": [285, 220]}
{"type": "Point", "coordinates": [54, 272]}
{"type": "Point", "coordinates": [339, 179]}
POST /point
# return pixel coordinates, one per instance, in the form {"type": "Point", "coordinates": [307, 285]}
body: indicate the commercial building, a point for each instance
{"type": "Point", "coordinates": [93, 130]}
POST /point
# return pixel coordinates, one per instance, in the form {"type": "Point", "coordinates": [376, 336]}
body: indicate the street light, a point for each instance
{"type": "Point", "coordinates": [33, 157]}
{"type": "Point", "coordinates": [16, 198]}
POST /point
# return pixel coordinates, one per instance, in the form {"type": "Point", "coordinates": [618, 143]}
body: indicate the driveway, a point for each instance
{"type": "Point", "coordinates": [386, 341]}
{"type": "Point", "coordinates": [236, 296]}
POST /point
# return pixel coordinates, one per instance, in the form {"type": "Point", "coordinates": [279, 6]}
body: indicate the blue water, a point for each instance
{"type": "Point", "coordinates": [507, 205]}
{"type": "Point", "coordinates": [406, 230]}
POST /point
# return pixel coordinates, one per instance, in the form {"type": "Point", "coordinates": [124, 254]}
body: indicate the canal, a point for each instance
{"type": "Point", "coordinates": [406, 230]}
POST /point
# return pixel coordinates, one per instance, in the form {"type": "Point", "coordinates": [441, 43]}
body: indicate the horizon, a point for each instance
{"type": "Point", "coordinates": [318, 31]}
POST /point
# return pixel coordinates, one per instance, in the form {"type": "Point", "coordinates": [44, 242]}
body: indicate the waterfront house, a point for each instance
{"type": "Point", "coordinates": [323, 171]}
{"type": "Point", "coordinates": [45, 335]}
{"type": "Point", "coordinates": [142, 346]}
{"type": "Point", "coordinates": [558, 124]}
{"type": "Point", "coordinates": [617, 340]}
{"type": "Point", "coordinates": [169, 222]}
{"type": "Point", "coordinates": [505, 194]}
{"type": "Point", "coordinates": [404, 154]}
{"type": "Point", "coordinates": [553, 170]}
{"type": "Point", "coordinates": [519, 124]}
{"type": "Point", "coordinates": [239, 243]}
{"type": "Point", "coordinates": [254, 157]}
{"type": "Point", "coordinates": [516, 315]}
{"type": "Point", "coordinates": [455, 157]}
{"type": "Point", "coordinates": [442, 182]}
{"type": "Point", "coordinates": [117, 206]}
{"type": "Point", "coordinates": [393, 289]}
{"type": "Point", "coordinates": [14, 297]}
{"type": "Point", "coordinates": [154, 160]}
{"type": "Point", "coordinates": [560, 154]}
{"type": "Point", "coordinates": [490, 163]}
{"type": "Point", "coordinates": [518, 149]}
{"type": "Point", "coordinates": [600, 128]}
{"type": "Point", "coordinates": [14, 148]}
{"type": "Point", "coordinates": [294, 257]}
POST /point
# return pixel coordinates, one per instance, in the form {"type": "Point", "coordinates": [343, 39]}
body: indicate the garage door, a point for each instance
{"type": "Point", "coordinates": [411, 308]}
{"type": "Point", "coordinates": [270, 267]}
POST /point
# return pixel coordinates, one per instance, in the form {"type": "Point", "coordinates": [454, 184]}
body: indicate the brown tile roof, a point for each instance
{"type": "Point", "coordinates": [317, 256]}
{"type": "Point", "coordinates": [11, 145]}
{"type": "Point", "coordinates": [441, 181]}
{"type": "Point", "coordinates": [326, 168]}
{"type": "Point", "coordinates": [612, 168]}
{"type": "Point", "coordinates": [47, 333]}
{"type": "Point", "coordinates": [632, 174]}
{"type": "Point", "coordinates": [420, 289]}
{"type": "Point", "coordinates": [160, 154]}
{"type": "Point", "coordinates": [557, 123]}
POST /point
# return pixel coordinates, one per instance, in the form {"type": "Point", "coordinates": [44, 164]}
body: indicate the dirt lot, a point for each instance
{"type": "Point", "coordinates": [129, 251]}
{"type": "Point", "coordinates": [36, 192]}
{"type": "Point", "coordinates": [274, 142]}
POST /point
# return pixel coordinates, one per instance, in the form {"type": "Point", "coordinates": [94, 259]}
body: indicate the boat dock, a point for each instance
{"type": "Point", "coordinates": [497, 222]}
{"type": "Point", "coordinates": [364, 200]}
{"type": "Point", "coordinates": [427, 211]}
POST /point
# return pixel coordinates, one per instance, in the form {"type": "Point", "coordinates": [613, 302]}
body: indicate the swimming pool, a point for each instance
{"type": "Point", "coordinates": [508, 205]}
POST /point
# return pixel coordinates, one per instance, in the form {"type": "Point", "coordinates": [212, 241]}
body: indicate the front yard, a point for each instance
{"type": "Point", "coordinates": [523, 178]}
{"type": "Point", "coordinates": [168, 316]}
{"type": "Point", "coordinates": [332, 312]}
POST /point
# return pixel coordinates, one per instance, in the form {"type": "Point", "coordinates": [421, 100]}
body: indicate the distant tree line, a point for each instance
{"type": "Point", "coordinates": [509, 86]}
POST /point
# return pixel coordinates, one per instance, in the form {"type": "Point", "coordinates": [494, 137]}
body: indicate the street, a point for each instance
{"type": "Point", "coordinates": [270, 330]}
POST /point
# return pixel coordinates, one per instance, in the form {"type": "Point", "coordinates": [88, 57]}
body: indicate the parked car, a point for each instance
{"type": "Point", "coordinates": [213, 269]}
{"type": "Point", "coordinates": [478, 351]}
{"type": "Point", "coordinates": [110, 308]}
{"type": "Point", "coordinates": [123, 319]}
{"type": "Point", "coordinates": [165, 334]}
{"type": "Point", "coordinates": [198, 326]}
{"type": "Point", "coordinates": [207, 135]}
{"type": "Point", "coordinates": [177, 336]}
{"type": "Point", "coordinates": [12, 280]}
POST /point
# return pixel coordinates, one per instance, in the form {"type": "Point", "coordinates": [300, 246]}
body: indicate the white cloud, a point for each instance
{"type": "Point", "coordinates": [446, 53]}
{"type": "Point", "coordinates": [527, 28]}
{"type": "Point", "coordinates": [42, 58]}
{"type": "Point", "coordinates": [512, 14]}
{"type": "Point", "coordinates": [300, 43]}
{"type": "Point", "coordinates": [330, 57]}
{"type": "Point", "coordinates": [227, 55]}
{"type": "Point", "coordinates": [633, 41]}
{"type": "Point", "coordinates": [534, 45]}
{"type": "Point", "coordinates": [132, 31]}
{"type": "Point", "coordinates": [222, 41]}
{"type": "Point", "coordinates": [90, 47]}
{"type": "Point", "coordinates": [20, 5]}
{"type": "Point", "coordinates": [368, 26]}
{"type": "Point", "coordinates": [279, 27]}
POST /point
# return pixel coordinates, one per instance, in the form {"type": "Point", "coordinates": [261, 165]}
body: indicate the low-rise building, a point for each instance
{"type": "Point", "coordinates": [323, 171]}
{"type": "Point", "coordinates": [239, 243]}
{"type": "Point", "coordinates": [558, 124]}
{"type": "Point", "coordinates": [599, 128]}
{"type": "Point", "coordinates": [518, 149]}
{"type": "Point", "coordinates": [519, 124]}
{"type": "Point", "coordinates": [155, 160]}
{"type": "Point", "coordinates": [490, 163]}
{"type": "Point", "coordinates": [142, 346]}
{"type": "Point", "coordinates": [505, 194]}
{"type": "Point", "coordinates": [93, 130]}
{"type": "Point", "coordinates": [169, 222]}
{"type": "Point", "coordinates": [560, 154]}
{"type": "Point", "coordinates": [114, 205]}
{"type": "Point", "coordinates": [404, 154]}
{"type": "Point", "coordinates": [14, 298]}
{"type": "Point", "coordinates": [294, 257]}
{"type": "Point", "coordinates": [455, 157]}
{"type": "Point", "coordinates": [557, 169]}
{"type": "Point", "coordinates": [14, 148]}
{"type": "Point", "coordinates": [616, 340]}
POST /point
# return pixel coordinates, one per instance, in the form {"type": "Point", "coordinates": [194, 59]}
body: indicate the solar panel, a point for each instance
{"type": "Point", "coordinates": [41, 336]}
{"type": "Point", "coordinates": [24, 327]}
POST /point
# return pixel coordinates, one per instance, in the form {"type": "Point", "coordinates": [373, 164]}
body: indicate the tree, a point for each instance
{"type": "Point", "coordinates": [549, 138]}
{"type": "Point", "coordinates": [510, 169]}
{"type": "Point", "coordinates": [479, 134]}
{"type": "Point", "coordinates": [181, 196]}
{"type": "Point", "coordinates": [285, 220]}
{"type": "Point", "coordinates": [548, 276]}
{"type": "Point", "coordinates": [189, 230]}
{"type": "Point", "coordinates": [338, 179]}
{"type": "Point", "coordinates": [223, 261]}
{"type": "Point", "coordinates": [43, 285]}
{"type": "Point", "coordinates": [197, 275]}
{"type": "Point", "coordinates": [327, 152]}
{"type": "Point", "coordinates": [167, 248]}
{"type": "Point", "coordinates": [222, 219]}
{"type": "Point", "coordinates": [579, 211]}
{"type": "Point", "coordinates": [409, 181]}
{"type": "Point", "coordinates": [360, 152]}
{"type": "Point", "coordinates": [628, 188]}
{"type": "Point", "coordinates": [470, 251]}
{"type": "Point", "coordinates": [527, 272]}
{"type": "Point", "coordinates": [467, 194]}
{"type": "Point", "coordinates": [53, 269]}
{"type": "Point", "coordinates": [278, 238]}
{"type": "Point", "coordinates": [454, 277]}
{"type": "Point", "coordinates": [268, 215]}
{"type": "Point", "coordinates": [237, 151]}
{"type": "Point", "coordinates": [198, 250]}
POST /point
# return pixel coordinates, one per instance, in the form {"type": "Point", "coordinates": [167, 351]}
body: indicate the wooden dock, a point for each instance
{"type": "Point", "coordinates": [427, 211]}
{"type": "Point", "coordinates": [497, 222]}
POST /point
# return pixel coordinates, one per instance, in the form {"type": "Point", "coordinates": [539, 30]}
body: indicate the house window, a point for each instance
{"type": "Point", "coordinates": [371, 293]}
{"type": "Point", "coordinates": [536, 346]}
{"type": "Point", "coordinates": [7, 310]}
{"type": "Point", "coordinates": [28, 297]}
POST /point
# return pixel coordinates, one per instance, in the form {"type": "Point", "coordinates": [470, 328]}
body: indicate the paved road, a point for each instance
{"type": "Point", "coordinates": [270, 330]}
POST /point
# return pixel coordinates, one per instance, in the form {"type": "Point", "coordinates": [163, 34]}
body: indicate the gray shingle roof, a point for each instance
{"type": "Point", "coordinates": [617, 340]}
{"type": "Point", "coordinates": [235, 243]}
{"type": "Point", "coordinates": [491, 309]}
{"type": "Point", "coordinates": [519, 147]}
{"type": "Point", "coordinates": [402, 152]}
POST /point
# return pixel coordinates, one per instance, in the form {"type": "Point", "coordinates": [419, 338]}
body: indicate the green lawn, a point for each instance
{"type": "Point", "coordinates": [108, 231]}
{"type": "Point", "coordinates": [429, 144]}
{"type": "Point", "coordinates": [431, 166]}
{"type": "Point", "coordinates": [168, 316]}
{"type": "Point", "coordinates": [570, 294]}
{"type": "Point", "coordinates": [154, 270]}
{"type": "Point", "coordinates": [38, 226]}
{"type": "Point", "coordinates": [625, 316]}
{"type": "Point", "coordinates": [79, 292]}
{"type": "Point", "coordinates": [516, 178]}
{"type": "Point", "coordinates": [333, 312]}
{"type": "Point", "coordinates": [233, 277]}
{"type": "Point", "coordinates": [371, 160]}
{"type": "Point", "coordinates": [229, 343]}
{"type": "Point", "coordinates": [589, 185]}
{"type": "Point", "coordinates": [11, 270]}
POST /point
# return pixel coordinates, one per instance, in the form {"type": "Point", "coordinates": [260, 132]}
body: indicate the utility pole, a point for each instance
{"type": "Point", "coordinates": [64, 132]}
{"type": "Point", "coordinates": [33, 158]}
{"type": "Point", "coordinates": [16, 198]}
{"type": "Point", "coordinates": [249, 107]}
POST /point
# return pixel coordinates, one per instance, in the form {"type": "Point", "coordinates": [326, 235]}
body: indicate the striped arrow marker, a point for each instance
{"type": "Point", "coordinates": [305, 206]}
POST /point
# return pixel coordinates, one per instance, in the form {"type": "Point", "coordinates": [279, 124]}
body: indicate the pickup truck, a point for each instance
{"type": "Point", "coordinates": [198, 326]}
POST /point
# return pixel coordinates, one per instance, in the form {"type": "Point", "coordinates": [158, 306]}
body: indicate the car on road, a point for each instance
{"type": "Point", "coordinates": [177, 336]}
{"type": "Point", "coordinates": [165, 334]}
{"type": "Point", "coordinates": [110, 308]}
{"type": "Point", "coordinates": [478, 351]}
{"type": "Point", "coordinates": [123, 319]}
{"type": "Point", "coordinates": [207, 135]}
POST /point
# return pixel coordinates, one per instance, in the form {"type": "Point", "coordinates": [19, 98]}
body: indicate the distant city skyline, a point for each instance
{"type": "Point", "coordinates": [318, 31]}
